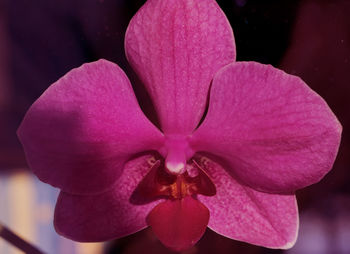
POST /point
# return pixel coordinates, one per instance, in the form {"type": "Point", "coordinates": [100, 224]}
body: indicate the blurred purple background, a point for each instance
{"type": "Point", "coordinates": [42, 40]}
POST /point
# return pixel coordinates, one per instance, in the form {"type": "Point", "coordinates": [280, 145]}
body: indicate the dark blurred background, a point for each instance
{"type": "Point", "coordinates": [42, 40]}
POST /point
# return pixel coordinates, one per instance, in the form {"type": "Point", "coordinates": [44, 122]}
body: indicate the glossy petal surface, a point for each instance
{"type": "Point", "coordinates": [107, 215]}
{"type": "Point", "coordinates": [269, 128]}
{"type": "Point", "coordinates": [179, 223]}
{"type": "Point", "coordinates": [176, 47]}
{"type": "Point", "coordinates": [80, 132]}
{"type": "Point", "coordinates": [241, 213]}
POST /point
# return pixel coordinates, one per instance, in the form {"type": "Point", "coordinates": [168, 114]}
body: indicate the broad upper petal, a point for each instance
{"type": "Point", "coordinates": [176, 47]}
{"type": "Point", "coordinates": [101, 217]}
{"type": "Point", "coordinates": [272, 131]}
{"type": "Point", "coordinates": [241, 213]}
{"type": "Point", "coordinates": [80, 132]}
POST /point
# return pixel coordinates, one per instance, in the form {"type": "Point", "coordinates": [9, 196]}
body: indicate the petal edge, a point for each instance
{"type": "Point", "coordinates": [105, 216]}
{"type": "Point", "coordinates": [78, 135]}
{"type": "Point", "coordinates": [241, 213]}
{"type": "Point", "coordinates": [274, 132]}
{"type": "Point", "coordinates": [176, 47]}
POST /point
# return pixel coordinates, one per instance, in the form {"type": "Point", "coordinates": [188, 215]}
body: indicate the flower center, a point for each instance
{"type": "Point", "coordinates": [183, 186]}
{"type": "Point", "coordinates": [180, 219]}
{"type": "Point", "coordinates": [160, 183]}
{"type": "Point", "coordinates": [177, 152]}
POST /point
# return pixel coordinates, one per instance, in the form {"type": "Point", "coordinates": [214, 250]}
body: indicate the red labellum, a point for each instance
{"type": "Point", "coordinates": [179, 223]}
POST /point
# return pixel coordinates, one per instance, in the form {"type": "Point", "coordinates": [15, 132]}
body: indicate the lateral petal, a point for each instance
{"type": "Point", "coordinates": [105, 216]}
{"type": "Point", "coordinates": [78, 135]}
{"type": "Point", "coordinates": [176, 47]}
{"type": "Point", "coordinates": [241, 213]}
{"type": "Point", "coordinates": [272, 131]}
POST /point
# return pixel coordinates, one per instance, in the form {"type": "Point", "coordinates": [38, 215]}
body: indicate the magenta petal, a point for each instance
{"type": "Point", "coordinates": [271, 130]}
{"type": "Point", "coordinates": [108, 215]}
{"type": "Point", "coordinates": [80, 132]}
{"type": "Point", "coordinates": [179, 223]}
{"type": "Point", "coordinates": [243, 214]}
{"type": "Point", "coordinates": [176, 47]}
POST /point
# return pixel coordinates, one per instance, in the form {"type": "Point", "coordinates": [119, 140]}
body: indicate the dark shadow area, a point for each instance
{"type": "Point", "coordinates": [146, 242]}
{"type": "Point", "coordinates": [261, 28]}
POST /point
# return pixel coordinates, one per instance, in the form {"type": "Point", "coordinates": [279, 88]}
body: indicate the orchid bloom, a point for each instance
{"type": "Point", "coordinates": [265, 135]}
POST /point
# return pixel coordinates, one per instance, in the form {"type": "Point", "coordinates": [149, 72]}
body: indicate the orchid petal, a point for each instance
{"type": "Point", "coordinates": [80, 132]}
{"type": "Point", "coordinates": [108, 215]}
{"type": "Point", "coordinates": [176, 47]}
{"type": "Point", "coordinates": [179, 223]}
{"type": "Point", "coordinates": [270, 129]}
{"type": "Point", "coordinates": [241, 213]}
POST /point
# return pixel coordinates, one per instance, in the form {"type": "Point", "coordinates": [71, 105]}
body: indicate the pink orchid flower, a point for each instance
{"type": "Point", "coordinates": [265, 135]}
